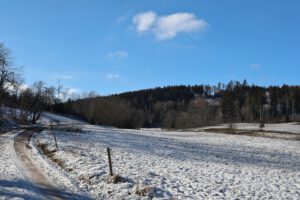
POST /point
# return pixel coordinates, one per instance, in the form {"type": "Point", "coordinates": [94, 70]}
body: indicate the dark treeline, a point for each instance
{"type": "Point", "coordinates": [180, 107]}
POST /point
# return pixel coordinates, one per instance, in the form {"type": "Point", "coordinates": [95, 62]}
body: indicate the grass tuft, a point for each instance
{"type": "Point", "coordinates": [145, 191]}
{"type": "Point", "coordinates": [115, 179]}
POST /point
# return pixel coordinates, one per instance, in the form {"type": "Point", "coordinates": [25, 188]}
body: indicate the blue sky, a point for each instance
{"type": "Point", "coordinates": [115, 46]}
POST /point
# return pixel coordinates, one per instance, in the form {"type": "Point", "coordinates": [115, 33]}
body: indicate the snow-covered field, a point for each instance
{"type": "Point", "coordinates": [179, 165]}
{"type": "Point", "coordinates": [174, 165]}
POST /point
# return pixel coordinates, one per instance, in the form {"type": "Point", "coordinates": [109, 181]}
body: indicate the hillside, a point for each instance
{"type": "Point", "coordinates": [181, 107]}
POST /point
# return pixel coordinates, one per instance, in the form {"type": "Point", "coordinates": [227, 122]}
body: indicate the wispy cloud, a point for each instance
{"type": "Point", "coordinates": [255, 66]}
{"type": "Point", "coordinates": [117, 54]}
{"type": "Point", "coordinates": [168, 26]}
{"type": "Point", "coordinates": [124, 17]}
{"type": "Point", "coordinates": [121, 19]}
{"type": "Point", "coordinates": [66, 77]}
{"type": "Point", "coordinates": [111, 76]}
{"type": "Point", "coordinates": [63, 76]}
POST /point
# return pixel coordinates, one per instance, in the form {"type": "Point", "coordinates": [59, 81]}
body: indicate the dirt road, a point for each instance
{"type": "Point", "coordinates": [40, 183]}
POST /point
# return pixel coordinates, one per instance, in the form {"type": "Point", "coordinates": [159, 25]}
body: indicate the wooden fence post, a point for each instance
{"type": "Point", "coordinates": [55, 141]}
{"type": "Point", "coordinates": [52, 131]}
{"type": "Point", "coordinates": [109, 162]}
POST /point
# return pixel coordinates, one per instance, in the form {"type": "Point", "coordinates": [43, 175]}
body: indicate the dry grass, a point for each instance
{"type": "Point", "coordinates": [110, 179]}
{"type": "Point", "coordinates": [146, 191]}
{"type": "Point", "coordinates": [45, 150]}
{"type": "Point", "coordinates": [115, 179]}
{"type": "Point", "coordinates": [68, 129]}
{"type": "Point", "coordinates": [59, 162]}
{"type": "Point", "coordinates": [231, 129]}
{"type": "Point", "coordinates": [50, 154]}
{"type": "Point", "coordinates": [86, 179]}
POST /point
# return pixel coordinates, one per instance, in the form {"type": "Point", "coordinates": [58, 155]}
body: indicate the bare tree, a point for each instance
{"type": "Point", "coordinates": [9, 75]}
{"type": "Point", "coordinates": [34, 100]}
{"type": "Point", "coordinates": [42, 97]}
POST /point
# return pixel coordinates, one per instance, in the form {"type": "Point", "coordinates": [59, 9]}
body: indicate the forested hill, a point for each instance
{"type": "Point", "coordinates": [171, 93]}
{"type": "Point", "coordinates": [189, 106]}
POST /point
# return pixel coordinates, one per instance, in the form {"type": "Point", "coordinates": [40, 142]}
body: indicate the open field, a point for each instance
{"type": "Point", "coordinates": [153, 163]}
{"type": "Point", "coordinates": [180, 165]}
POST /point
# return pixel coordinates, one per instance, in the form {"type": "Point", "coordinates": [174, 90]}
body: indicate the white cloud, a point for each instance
{"type": "Point", "coordinates": [144, 21]}
{"type": "Point", "coordinates": [255, 66]}
{"type": "Point", "coordinates": [168, 26]}
{"type": "Point", "coordinates": [68, 93]}
{"type": "Point", "coordinates": [20, 87]}
{"type": "Point", "coordinates": [72, 91]}
{"type": "Point", "coordinates": [23, 87]}
{"type": "Point", "coordinates": [111, 76]}
{"type": "Point", "coordinates": [117, 54]}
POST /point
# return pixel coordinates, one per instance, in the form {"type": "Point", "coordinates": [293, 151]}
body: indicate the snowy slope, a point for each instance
{"type": "Point", "coordinates": [47, 117]}
{"type": "Point", "coordinates": [181, 165]}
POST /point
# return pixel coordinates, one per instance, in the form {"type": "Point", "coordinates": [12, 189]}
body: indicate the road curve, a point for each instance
{"type": "Point", "coordinates": [40, 183]}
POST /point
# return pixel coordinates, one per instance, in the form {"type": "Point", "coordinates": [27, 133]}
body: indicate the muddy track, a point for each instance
{"type": "Point", "coordinates": [40, 182]}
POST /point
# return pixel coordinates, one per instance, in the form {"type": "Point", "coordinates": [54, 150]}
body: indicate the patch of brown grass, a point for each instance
{"type": "Point", "coordinates": [145, 191]}
{"type": "Point", "coordinates": [45, 150]}
{"type": "Point", "coordinates": [73, 129]}
{"type": "Point", "coordinates": [86, 179]}
{"type": "Point", "coordinates": [50, 154]}
{"type": "Point", "coordinates": [59, 162]}
{"type": "Point", "coordinates": [115, 179]}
